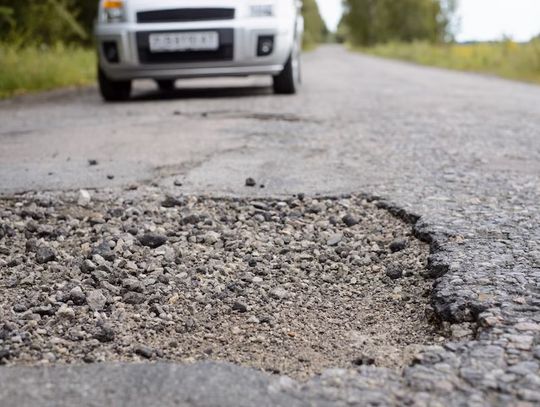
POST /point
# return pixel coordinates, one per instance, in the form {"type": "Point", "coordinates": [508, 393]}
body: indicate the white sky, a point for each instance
{"type": "Point", "coordinates": [480, 19]}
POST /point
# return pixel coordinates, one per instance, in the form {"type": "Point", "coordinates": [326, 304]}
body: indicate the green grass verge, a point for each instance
{"type": "Point", "coordinates": [30, 69]}
{"type": "Point", "coordinates": [506, 59]}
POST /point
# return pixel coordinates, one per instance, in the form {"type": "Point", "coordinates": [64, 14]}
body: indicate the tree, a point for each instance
{"type": "Point", "coordinates": [315, 28]}
{"type": "Point", "coordinates": [376, 21]}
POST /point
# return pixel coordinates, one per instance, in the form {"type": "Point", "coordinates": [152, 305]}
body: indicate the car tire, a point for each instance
{"type": "Point", "coordinates": [289, 79]}
{"type": "Point", "coordinates": [165, 85]}
{"type": "Point", "coordinates": [113, 91]}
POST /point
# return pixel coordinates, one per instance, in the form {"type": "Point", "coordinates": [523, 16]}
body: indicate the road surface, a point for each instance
{"type": "Point", "coordinates": [458, 152]}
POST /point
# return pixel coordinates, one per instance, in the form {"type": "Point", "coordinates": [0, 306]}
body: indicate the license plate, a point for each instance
{"type": "Point", "coordinates": [192, 41]}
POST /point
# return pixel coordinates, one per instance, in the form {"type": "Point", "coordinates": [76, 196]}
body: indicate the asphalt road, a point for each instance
{"type": "Point", "coordinates": [460, 152]}
{"type": "Point", "coordinates": [355, 116]}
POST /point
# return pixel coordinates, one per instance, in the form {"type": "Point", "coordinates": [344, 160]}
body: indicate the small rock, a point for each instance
{"type": "Point", "coordinates": [49, 357]}
{"type": "Point", "coordinates": [65, 312]}
{"type": "Point", "coordinates": [45, 254]}
{"type": "Point", "coordinates": [92, 163]}
{"type": "Point", "coordinates": [84, 198]}
{"type": "Point", "coordinates": [96, 219]}
{"type": "Point", "coordinates": [5, 355]}
{"type": "Point", "coordinates": [171, 201]}
{"type": "Point", "coordinates": [45, 310]}
{"type": "Point", "coordinates": [278, 293]}
{"type": "Point", "coordinates": [350, 220]}
{"type": "Point", "coordinates": [238, 306]}
{"type": "Point", "coordinates": [398, 245]}
{"type": "Point", "coordinates": [88, 358]}
{"type": "Point", "coordinates": [19, 308]}
{"type": "Point", "coordinates": [211, 237]}
{"type": "Point", "coordinates": [105, 333]}
{"type": "Point", "coordinates": [152, 240]}
{"type": "Point", "coordinates": [144, 351]}
{"type": "Point", "coordinates": [250, 182]}
{"type": "Point", "coordinates": [104, 250]}
{"type": "Point", "coordinates": [335, 239]}
{"type": "Point", "coordinates": [77, 296]}
{"type": "Point", "coordinates": [110, 177]}
{"type": "Point", "coordinates": [134, 298]}
{"type": "Point", "coordinates": [132, 284]}
{"type": "Point", "coordinates": [96, 300]}
{"type": "Point", "coordinates": [394, 272]}
{"type": "Point", "coordinates": [88, 266]}
{"type": "Point", "coordinates": [178, 183]}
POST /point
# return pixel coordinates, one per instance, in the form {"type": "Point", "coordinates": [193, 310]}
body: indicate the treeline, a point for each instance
{"type": "Point", "coordinates": [371, 22]}
{"type": "Point", "coordinates": [315, 28]}
{"type": "Point", "coordinates": [31, 22]}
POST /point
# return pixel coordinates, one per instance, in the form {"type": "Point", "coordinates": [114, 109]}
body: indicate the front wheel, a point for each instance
{"type": "Point", "coordinates": [288, 80]}
{"type": "Point", "coordinates": [113, 91]}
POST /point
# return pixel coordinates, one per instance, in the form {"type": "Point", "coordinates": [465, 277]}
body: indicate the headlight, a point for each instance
{"type": "Point", "coordinates": [112, 11]}
{"type": "Point", "coordinates": [261, 10]}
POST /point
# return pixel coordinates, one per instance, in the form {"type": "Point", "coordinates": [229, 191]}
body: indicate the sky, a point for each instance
{"type": "Point", "coordinates": [480, 20]}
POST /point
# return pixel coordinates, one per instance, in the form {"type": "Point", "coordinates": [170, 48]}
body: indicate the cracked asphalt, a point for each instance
{"type": "Point", "coordinates": [457, 155]}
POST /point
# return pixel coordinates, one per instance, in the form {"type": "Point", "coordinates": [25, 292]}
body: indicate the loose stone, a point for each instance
{"type": "Point", "coordinates": [96, 300]}
{"type": "Point", "coordinates": [238, 306]}
{"type": "Point", "coordinates": [334, 240]}
{"type": "Point", "coordinates": [152, 240]}
{"type": "Point", "coordinates": [144, 351]}
{"type": "Point", "coordinates": [398, 245]}
{"type": "Point", "coordinates": [45, 254]}
{"type": "Point", "coordinates": [350, 220]}
{"type": "Point", "coordinates": [394, 272]}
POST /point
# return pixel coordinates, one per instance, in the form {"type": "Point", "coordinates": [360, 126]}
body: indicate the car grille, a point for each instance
{"type": "Point", "coordinates": [225, 52]}
{"type": "Point", "coordinates": [185, 14]}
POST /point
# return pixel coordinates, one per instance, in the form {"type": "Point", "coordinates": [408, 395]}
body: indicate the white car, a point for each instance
{"type": "Point", "coordinates": [166, 40]}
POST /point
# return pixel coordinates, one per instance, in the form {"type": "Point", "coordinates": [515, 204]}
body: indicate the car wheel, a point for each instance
{"type": "Point", "coordinates": [113, 91]}
{"type": "Point", "coordinates": [288, 81]}
{"type": "Point", "coordinates": [165, 85]}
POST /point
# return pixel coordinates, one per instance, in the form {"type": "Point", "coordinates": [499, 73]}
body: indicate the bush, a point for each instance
{"type": "Point", "coordinates": [28, 22]}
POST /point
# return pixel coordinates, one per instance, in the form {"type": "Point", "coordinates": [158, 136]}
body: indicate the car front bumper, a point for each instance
{"type": "Point", "coordinates": [243, 59]}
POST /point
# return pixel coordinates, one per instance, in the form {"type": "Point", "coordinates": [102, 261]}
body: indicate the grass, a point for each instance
{"type": "Point", "coordinates": [506, 59]}
{"type": "Point", "coordinates": [31, 69]}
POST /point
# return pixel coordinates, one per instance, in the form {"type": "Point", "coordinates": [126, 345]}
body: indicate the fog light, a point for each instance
{"type": "Point", "coordinates": [265, 45]}
{"type": "Point", "coordinates": [110, 50]}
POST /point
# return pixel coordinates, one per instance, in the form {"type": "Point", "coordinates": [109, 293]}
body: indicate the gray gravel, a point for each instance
{"type": "Point", "coordinates": [455, 154]}
{"type": "Point", "coordinates": [286, 286]}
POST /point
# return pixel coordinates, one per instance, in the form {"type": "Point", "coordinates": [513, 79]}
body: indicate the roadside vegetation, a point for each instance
{"type": "Point", "coordinates": [47, 44]}
{"type": "Point", "coordinates": [423, 31]}
{"type": "Point", "coordinates": [32, 68]}
{"type": "Point", "coordinates": [507, 59]}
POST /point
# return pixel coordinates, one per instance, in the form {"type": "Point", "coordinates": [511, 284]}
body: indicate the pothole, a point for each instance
{"type": "Point", "coordinates": [291, 286]}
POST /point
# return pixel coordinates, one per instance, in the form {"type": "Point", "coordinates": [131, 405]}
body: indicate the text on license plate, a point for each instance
{"type": "Point", "coordinates": [192, 41]}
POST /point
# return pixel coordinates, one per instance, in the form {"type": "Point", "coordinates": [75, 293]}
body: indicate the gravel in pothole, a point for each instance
{"type": "Point", "coordinates": [294, 286]}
